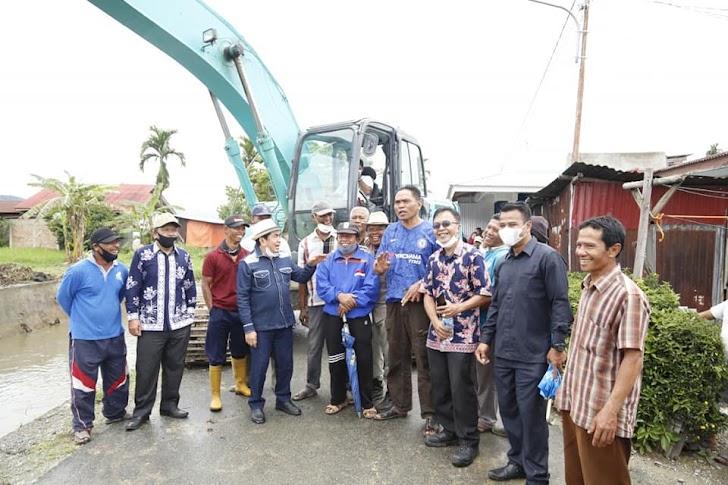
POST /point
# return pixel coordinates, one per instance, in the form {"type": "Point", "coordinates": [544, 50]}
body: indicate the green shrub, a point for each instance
{"type": "Point", "coordinates": [684, 371]}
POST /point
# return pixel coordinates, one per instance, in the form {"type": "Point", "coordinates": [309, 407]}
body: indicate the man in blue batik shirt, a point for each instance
{"type": "Point", "coordinates": [402, 255]}
{"type": "Point", "coordinates": [160, 303]}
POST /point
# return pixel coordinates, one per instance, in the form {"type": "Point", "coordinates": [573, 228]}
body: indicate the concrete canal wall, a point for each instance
{"type": "Point", "coordinates": [27, 307]}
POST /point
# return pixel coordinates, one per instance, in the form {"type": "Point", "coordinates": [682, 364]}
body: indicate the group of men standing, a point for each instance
{"type": "Point", "coordinates": [440, 300]}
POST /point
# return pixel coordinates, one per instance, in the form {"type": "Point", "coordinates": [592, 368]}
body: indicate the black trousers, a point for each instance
{"type": "Point", "coordinates": [523, 411]}
{"type": "Point", "coordinates": [155, 349]}
{"type": "Point", "coordinates": [453, 394]}
{"type": "Point", "coordinates": [361, 330]}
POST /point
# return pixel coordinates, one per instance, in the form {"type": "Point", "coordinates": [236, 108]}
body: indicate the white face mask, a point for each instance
{"type": "Point", "coordinates": [511, 235]}
{"type": "Point", "coordinates": [449, 243]}
{"type": "Point", "coordinates": [270, 253]}
{"type": "Point", "coordinates": [324, 228]}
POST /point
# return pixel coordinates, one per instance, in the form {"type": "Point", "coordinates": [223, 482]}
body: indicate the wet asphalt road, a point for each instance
{"type": "Point", "coordinates": [226, 447]}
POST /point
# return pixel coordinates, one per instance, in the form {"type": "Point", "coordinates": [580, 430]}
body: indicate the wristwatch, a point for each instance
{"type": "Point", "coordinates": [558, 347]}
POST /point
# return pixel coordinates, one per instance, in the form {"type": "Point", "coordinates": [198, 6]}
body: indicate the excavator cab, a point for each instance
{"type": "Point", "coordinates": [328, 163]}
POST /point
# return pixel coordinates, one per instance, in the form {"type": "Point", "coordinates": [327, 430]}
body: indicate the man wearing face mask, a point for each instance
{"type": "Point", "coordinates": [264, 304]}
{"type": "Point", "coordinates": [456, 286]}
{"type": "Point", "coordinates": [321, 241]}
{"type": "Point", "coordinates": [347, 283]}
{"type": "Point", "coordinates": [528, 320]}
{"type": "Point", "coordinates": [160, 303]}
{"type": "Point", "coordinates": [90, 293]}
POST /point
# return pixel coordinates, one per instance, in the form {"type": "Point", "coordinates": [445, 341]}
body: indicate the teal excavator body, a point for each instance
{"type": "Point", "coordinates": [322, 163]}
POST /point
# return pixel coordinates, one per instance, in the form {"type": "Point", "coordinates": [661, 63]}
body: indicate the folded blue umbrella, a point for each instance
{"type": "Point", "coordinates": [548, 385]}
{"type": "Point", "coordinates": [348, 341]}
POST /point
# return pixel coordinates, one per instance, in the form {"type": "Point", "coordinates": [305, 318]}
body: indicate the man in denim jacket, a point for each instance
{"type": "Point", "coordinates": [264, 303]}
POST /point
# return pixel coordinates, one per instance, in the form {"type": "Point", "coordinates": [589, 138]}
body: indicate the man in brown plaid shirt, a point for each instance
{"type": "Point", "coordinates": [598, 398]}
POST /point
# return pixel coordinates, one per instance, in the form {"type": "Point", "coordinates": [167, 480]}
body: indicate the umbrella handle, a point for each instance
{"type": "Point", "coordinates": [548, 410]}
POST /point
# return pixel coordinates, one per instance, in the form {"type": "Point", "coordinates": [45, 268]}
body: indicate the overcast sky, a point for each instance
{"type": "Point", "coordinates": [79, 90]}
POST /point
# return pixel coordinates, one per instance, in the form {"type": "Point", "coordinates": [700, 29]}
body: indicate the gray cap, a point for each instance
{"type": "Point", "coordinates": [348, 228]}
{"type": "Point", "coordinates": [163, 219]}
{"type": "Point", "coordinates": [321, 208]}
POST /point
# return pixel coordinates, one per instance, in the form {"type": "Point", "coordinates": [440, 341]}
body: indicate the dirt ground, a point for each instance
{"type": "Point", "coordinates": [12, 274]}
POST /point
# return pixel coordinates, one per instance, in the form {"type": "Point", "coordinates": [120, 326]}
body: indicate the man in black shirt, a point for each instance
{"type": "Point", "coordinates": [527, 324]}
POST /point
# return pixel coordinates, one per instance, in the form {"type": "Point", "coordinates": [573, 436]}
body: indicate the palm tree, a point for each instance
{"type": "Point", "coordinates": [157, 147]}
{"type": "Point", "coordinates": [72, 205]}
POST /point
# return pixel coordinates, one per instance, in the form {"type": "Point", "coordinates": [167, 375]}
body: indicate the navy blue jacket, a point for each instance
{"type": "Point", "coordinates": [264, 300]}
{"type": "Point", "coordinates": [355, 275]}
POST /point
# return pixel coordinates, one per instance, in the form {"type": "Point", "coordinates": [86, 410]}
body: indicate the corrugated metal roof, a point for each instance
{"type": "Point", "coordinates": [8, 206]}
{"type": "Point", "coordinates": [122, 193]}
{"type": "Point", "coordinates": [598, 172]}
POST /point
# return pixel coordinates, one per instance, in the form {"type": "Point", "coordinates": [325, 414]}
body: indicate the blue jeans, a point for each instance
{"type": "Point", "coordinates": [224, 326]}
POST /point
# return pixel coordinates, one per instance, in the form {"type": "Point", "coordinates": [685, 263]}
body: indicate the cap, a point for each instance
{"type": "Point", "coordinates": [540, 229]}
{"type": "Point", "coordinates": [163, 219]}
{"type": "Point", "coordinates": [236, 221]}
{"type": "Point", "coordinates": [378, 218]}
{"type": "Point", "coordinates": [260, 210]}
{"type": "Point", "coordinates": [263, 228]}
{"type": "Point", "coordinates": [104, 235]}
{"type": "Point", "coordinates": [367, 180]}
{"type": "Point", "coordinates": [321, 208]}
{"type": "Point", "coordinates": [347, 228]}
{"type": "Point", "coordinates": [370, 172]}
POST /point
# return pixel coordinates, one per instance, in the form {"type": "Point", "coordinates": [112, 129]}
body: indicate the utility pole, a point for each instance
{"type": "Point", "coordinates": [580, 89]}
{"type": "Point", "coordinates": [645, 201]}
{"type": "Point", "coordinates": [580, 57]}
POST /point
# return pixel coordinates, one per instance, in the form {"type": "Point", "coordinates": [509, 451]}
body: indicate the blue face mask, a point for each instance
{"type": "Point", "coordinates": [348, 250]}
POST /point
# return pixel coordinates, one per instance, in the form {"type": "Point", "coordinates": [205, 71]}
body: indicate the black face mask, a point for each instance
{"type": "Point", "coordinates": [166, 241]}
{"type": "Point", "coordinates": [107, 256]}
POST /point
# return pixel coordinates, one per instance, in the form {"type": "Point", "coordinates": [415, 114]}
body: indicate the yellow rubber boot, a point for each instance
{"type": "Point", "coordinates": [215, 378]}
{"type": "Point", "coordinates": [240, 373]}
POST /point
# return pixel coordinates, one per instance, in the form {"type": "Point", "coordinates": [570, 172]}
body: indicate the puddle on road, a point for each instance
{"type": "Point", "coordinates": [34, 374]}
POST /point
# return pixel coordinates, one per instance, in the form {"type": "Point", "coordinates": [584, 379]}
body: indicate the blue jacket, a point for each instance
{"type": "Point", "coordinates": [264, 299]}
{"type": "Point", "coordinates": [92, 297]}
{"type": "Point", "coordinates": [336, 275]}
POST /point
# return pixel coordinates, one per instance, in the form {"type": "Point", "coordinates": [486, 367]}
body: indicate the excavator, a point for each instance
{"type": "Point", "coordinates": [320, 163]}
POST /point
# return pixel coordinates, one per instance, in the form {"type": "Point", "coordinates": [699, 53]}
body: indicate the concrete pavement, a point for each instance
{"type": "Point", "coordinates": [226, 447]}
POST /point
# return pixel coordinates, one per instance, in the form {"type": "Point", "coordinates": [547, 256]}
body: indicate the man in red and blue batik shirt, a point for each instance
{"type": "Point", "coordinates": [456, 285]}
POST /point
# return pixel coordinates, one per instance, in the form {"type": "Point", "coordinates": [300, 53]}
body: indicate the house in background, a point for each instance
{"type": "Point", "coordinates": [201, 230]}
{"type": "Point", "coordinates": [480, 198]}
{"type": "Point", "coordinates": [35, 233]}
{"type": "Point", "coordinates": [691, 228]}
{"type": "Point", "coordinates": [7, 206]}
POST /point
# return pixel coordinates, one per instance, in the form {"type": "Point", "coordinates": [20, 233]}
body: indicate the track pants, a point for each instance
{"type": "Point", "coordinates": [85, 358]}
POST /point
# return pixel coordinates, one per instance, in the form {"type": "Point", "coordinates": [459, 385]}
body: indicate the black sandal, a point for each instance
{"type": "Point", "coordinates": [390, 413]}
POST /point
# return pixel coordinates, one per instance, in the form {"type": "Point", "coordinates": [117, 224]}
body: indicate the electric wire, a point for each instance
{"type": "Point", "coordinates": [538, 88]}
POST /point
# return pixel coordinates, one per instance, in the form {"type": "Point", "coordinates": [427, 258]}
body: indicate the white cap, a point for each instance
{"type": "Point", "coordinates": [263, 228]}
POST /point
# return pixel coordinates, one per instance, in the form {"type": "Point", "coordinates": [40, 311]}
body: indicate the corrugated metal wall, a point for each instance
{"type": "Point", "coordinates": [601, 198]}
{"type": "Point", "coordinates": [474, 215]}
{"type": "Point", "coordinates": [692, 256]}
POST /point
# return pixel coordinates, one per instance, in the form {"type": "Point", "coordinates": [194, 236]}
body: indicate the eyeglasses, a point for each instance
{"type": "Point", "coordinates": [445, 224]}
